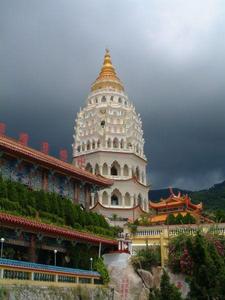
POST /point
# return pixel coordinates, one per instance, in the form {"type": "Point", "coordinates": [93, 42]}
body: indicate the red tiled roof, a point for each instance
{"type": "Point", "coordinates": [53, 230]}
{"type": "Point", "coordinates": [174, 201]}
{"type": "Point", "coordinates": [17, 149]}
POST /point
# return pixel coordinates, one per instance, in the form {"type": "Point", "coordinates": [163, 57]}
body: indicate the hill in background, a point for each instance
{"type": "Point", "coordinates": [212, 198]}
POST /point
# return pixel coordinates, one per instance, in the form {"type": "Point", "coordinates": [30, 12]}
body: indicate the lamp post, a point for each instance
{"type": "Point", "coordinates": [55, 252]}
{"type": "Point", "coordinates": [91, 261]}
{"type": "Point", "coordinates": [2, 242]}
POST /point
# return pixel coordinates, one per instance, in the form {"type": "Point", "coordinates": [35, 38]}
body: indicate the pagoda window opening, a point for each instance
{"type": "Point", "coordinates": [89, 168]}
{"type": "Point", "coordinates": [119, 100]}
{"type": "Point", "coordinates": [139, 200]}
{"type": "Point", "coordinates": [105, 169]}
{"type": "Point", "coordinates": [122, 144]}
{"type": "Point", "coordinates": [88, 145]}
{"type": "Point", "coordinates": [93, 145]}
{"type": "Point", "coordinates": [115, 169]}
{"type": "Point", "coordinates": [115, 143]}
{"type": "Point", "coordinates": [125, 170]}
{"type": "Point", "coordinates": [78, 149]}
{"type": "Point", "coordinates": [114, 200]}
{"type": "Point", "coordinates": [127, 199]}
{"type": "Point", "coordinates": [103, 99]}
{"type": "Point", "coordinates": [137, 174]}
{"type": "Point", "coordinates": [111, 98]}
{"type": "Point", "coordinates": [97, 170]}
{"type": "Point", "coordinates": [105, 198]}
{"type": "Point", "coordinates": [109, 143]}
{"type": "Point", "coordinates": [116, 197]}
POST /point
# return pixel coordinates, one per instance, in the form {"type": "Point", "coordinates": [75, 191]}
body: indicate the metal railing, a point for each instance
{"type": "Point", "coordinates": [21, 270]}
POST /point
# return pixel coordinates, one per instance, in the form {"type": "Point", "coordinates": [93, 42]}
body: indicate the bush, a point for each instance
{"type": "Point", "coordinates": [51, 217]}
{"type": "Point", "coordinates": [7, 205]}
{"type": "Point", "coordinates": [100, 267]}
{"type": "Point", "coordinates": [146, 258]}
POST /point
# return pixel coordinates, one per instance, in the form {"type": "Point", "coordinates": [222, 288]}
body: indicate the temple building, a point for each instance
{"type": "Point", "coordinates": [174, 204]}
{"type": "Point", "coordinates": [40, 171]}
{"type": "Point", "coordinates": [109, 141]}
{"type": "Point", "coordinates": [29, 237]}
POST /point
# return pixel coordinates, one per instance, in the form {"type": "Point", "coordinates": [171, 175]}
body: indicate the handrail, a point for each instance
{"type": "Point", "coordinates": [49, 268]}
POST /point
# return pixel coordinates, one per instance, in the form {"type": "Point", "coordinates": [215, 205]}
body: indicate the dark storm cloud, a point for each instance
{"type": "Point", "coordinates": [169, 55]}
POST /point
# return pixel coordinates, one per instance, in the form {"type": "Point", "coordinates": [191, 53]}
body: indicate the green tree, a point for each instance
{"type": "Point", "coordinates": [179, 219]}
{"type": "Point", "coordinates": [189, 219]}
{"type": "Point", "coordinates": [171, 219]}
{"type": "Point", "coordinates": [168, 290]}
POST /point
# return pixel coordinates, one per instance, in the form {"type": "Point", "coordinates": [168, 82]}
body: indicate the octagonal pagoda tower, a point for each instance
{"type": "Point", "coordinates": [109, 141]}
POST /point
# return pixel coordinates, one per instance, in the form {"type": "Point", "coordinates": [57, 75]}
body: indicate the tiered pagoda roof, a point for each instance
{"type": "Point", "coordinates": [176, 201]}
{"type": "Point", "coordinates": [174, 204]}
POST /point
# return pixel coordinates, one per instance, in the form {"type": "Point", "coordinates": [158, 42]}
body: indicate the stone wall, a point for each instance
{"type": "Point", "coordinates": [25, 292]}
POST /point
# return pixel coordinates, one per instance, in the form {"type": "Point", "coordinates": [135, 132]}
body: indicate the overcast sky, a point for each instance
{"type": "Point", "coordinates": [170, 56]}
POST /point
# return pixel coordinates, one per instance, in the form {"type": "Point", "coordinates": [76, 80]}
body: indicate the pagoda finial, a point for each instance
{"type": "Point", "coordinates": [107, 76]}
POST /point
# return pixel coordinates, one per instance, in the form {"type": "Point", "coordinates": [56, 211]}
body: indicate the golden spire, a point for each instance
{"type": "Point", "coordinates": [107, 76]}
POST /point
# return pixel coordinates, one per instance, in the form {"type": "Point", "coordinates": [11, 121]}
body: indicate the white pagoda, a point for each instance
{"type": "Point", "coordinates": [109, 142]}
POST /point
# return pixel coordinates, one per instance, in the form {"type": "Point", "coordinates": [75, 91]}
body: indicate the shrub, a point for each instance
{"type": "Point", "coordinates": [146, 258]}
{"type": "Point", "coordinates": [51, 217]}
{"type": "Point", "coordinates": [7, 205]}
{"type": "Point", "coordinates": [102, 270]}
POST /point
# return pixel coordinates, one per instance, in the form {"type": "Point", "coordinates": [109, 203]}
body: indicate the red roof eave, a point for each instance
{"type": "Point", "coordinates": [13, 147]}
{"type": "Point", "coordinates": [36, 226]}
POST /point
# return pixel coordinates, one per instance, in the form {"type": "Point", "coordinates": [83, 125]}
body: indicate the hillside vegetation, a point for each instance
{"type": "Point", "coordinates": [51, 208]}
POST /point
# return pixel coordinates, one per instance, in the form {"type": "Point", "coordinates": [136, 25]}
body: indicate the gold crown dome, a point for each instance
{"type": "Point", "coordinates": [107, 76]}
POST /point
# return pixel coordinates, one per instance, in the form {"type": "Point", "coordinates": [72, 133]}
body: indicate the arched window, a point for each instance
{"type": "Point", "coordinates": [83, 147]}
{"type": "Point", "coordinates": [115, 143]}
{"type": "Point", "coordinates": [109, 143]}
{"type": "Point", "coordinates": [137, 173]}
{"type": "Point", "coordinates": [127, 199]}
{"type": "Point", "coordinates": [122, 144]}
{"type": "Point", "coordinates": [89, 168]}
{"type": "Point", "coordinates": [125, 170]}
{"type": "Point", "coordinates": [97, 171]}
{"type": "Point", "coordinates": [103, 99]}
{"type": "Point", "coordinates": [105, 198]}
{"type": "Point", "coordinates": [98, 144]}
{"type": "Point", "coordinates": [78, 149]}
{"type": "Point", "coordinates": [88, 145]}
{"type": "Point", "coordinates": [116, 197]}
{"type": "Point", "coordinates": [105, 169]}
{"type": "Point", "coordinates": [111, 98]}
{"type": "Point", "coordinates": [93, 145]}
{"type": "Point", "coordinates": [115, 169]}
{"type": "Point", "coordinates": [96, 100]}
{"type": "Point", "coordinates": [119, 100]}
{"type": "Point", "coordinates": [139, 200]}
